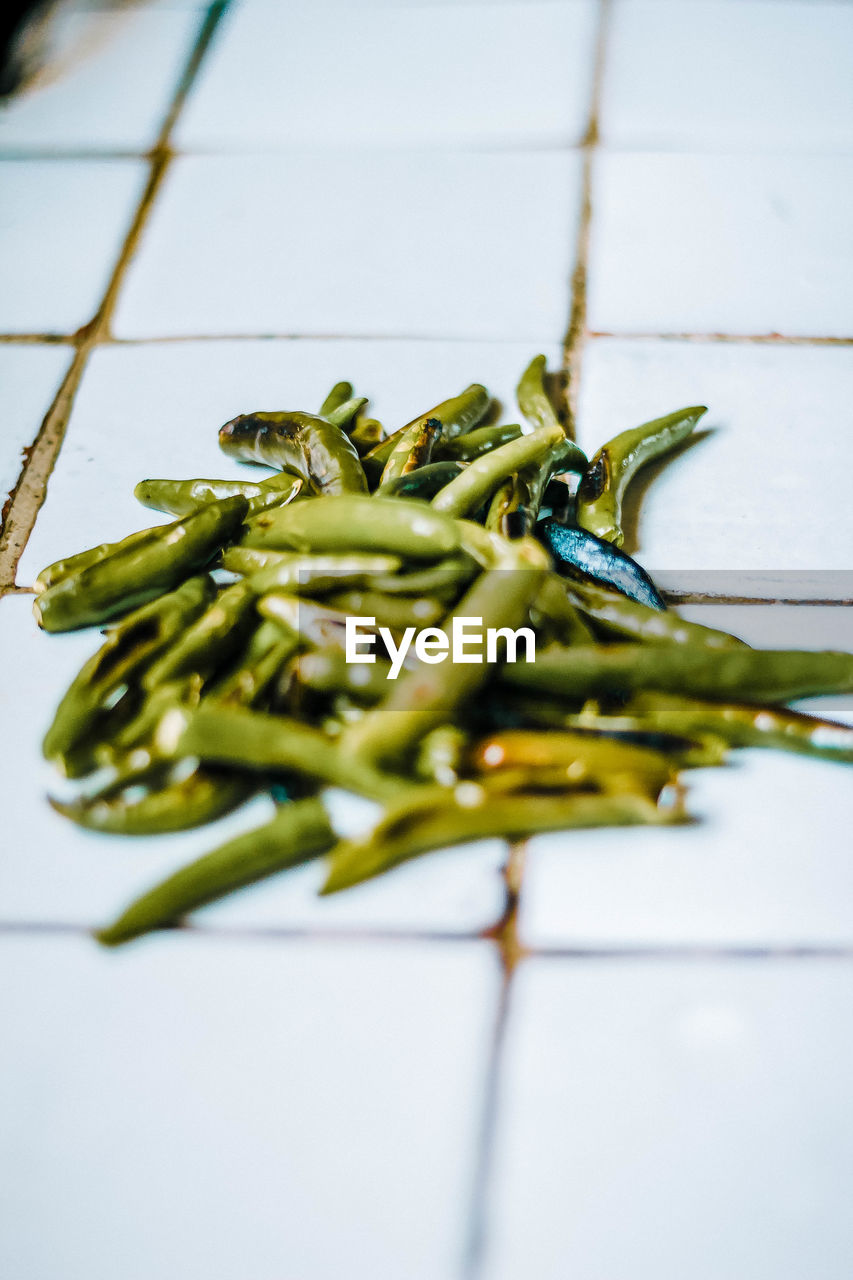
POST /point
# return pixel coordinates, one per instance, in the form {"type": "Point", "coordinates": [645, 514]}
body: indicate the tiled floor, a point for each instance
{"type": "Point", "coordinates": [398, 193]}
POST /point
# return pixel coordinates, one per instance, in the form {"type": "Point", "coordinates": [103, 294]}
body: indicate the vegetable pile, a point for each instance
{"type": "Point", "coordinates": [225, 671]}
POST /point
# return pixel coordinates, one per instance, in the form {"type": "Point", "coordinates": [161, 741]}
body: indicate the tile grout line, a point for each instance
{"type": "Point", "coordinates": [576, 334]}
{"type": "Point", "coordinates": [677, 952]}
{"type": "Point", "coordinates": [24, 503]}
{"type": "Point", "coordinates": [755, 339]}
{"type": "Point", "coordinates": [506, 935]}
{"type": "Point", "coordinates": [511, 952]}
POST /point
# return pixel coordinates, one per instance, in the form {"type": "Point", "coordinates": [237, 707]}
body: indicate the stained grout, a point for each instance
{"type": "Point", "coordinates": [704, 597]}
{"type": "Point", "coordinates": [506, 935]}
{"type": "Point", "coordinates": [575, 337]}
{"type": "Point", "coordinates": [25, 501]}
{"type": "Point", "coordinates": [38, 339]}
{"type": "Point", "coordinates": [675, 952]}
{"type": "Point", "coordinates": [760, 339]}
{"type": "Point", "coordinates": [477, 1226]}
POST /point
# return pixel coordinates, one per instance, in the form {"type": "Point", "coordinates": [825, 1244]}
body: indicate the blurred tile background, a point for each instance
{"type": "Point", "coordinates": [632, 1064]}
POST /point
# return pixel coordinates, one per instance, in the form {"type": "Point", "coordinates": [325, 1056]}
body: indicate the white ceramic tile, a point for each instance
{"type": "Point", "coordinates": [29, 377]}
{"type": "Point", "coordinates": [721, 244]}
{"type": "Point", "coordinates": [55, 872]}
{"type": "Point", "coordinates": [762, 865]}
{"type": "Point", "coordinates": [765, 863]}
{"type": "Point", "coordinates": [171, 399]}
{"type": "Point", "coordinates": [760, 504]}
{"type": "Point", "coordinates": [62, 226]}
{"type": "Point", "coordinates": [659, 1121]}
{"type": "Point", "coordinates": [779, 626]}
{"type": "Point", "coordinates": [514, 76]}
{"type": "Point", "coordinates": [391, 243]}
{"type": "Point", "coordinates": [217, 1109]}
{"type": "Point", "coordinates": [710, 75]}
{"type": "Point", "coordinates": [107, 84]}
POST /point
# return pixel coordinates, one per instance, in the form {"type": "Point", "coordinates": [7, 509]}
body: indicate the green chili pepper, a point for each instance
{"type": "Point", "coordinates": [617, 615]}
{"type": "Point", "coordinates": [475, 443]}
{"type": "Point", "coordinates": [485, 548]}
{"type": "Point", "coordinates": [182, 497]}
{"type": "Point", "coordinates": [210, 641]}
{"type": "Point", "coordinates": [135, 574]}
{"type": "Point", "coordinates": [441, 755]}
{"type": "Point", "coordinates": [339, 394]}
{"type": "Point", "coordinates": [518, 512]}
{"type": "Point", "coordinates": [346, 413]}
{"type": "Point", "coordinates": [533, 400]}
{"type": "Point", "coordinates": [554, 609]}
{"type": "Point", "coordinates": [184, 691]}
{"type": "Point", "coordinates": [127, 650]}
{"type": "Point", "coordinates": [366, 434]}
{"type": "Point", "coordinates": [777, 675]}
{"type": "Point", "coordinates": [187, 802]}
{"type": "Point", "coordinates": [694, 750]}
{"type": "Point", "coordinates": [395, 611]}
{"type": "Point", "coordinates": [315, 448]}
{"type": "Point", "coordinates": [587, 760]}
{"type": "Point", "coordinates": [424, 482]}
{"type": "Point", "coordinates": [746, 726]}
{"type": "Point", "coordinates": [247, 683]}
{"type": "Point", "coordinates": [447, 578]}
{"type": "Point", "coordinates": [521, 511]}
{"type": "Point", "coordinates": [327, 671]}
{"type": "Point", "coordinates": [456, 416]}
{"type": "Point", "coordinates": [83, 559]}
{"type": "Point", "coordinates": [412, 450]}
{"type": "Point", "coordinates": [299, 831]}
{"type": "Point", "coordinates": [428, 696]}
{"type": "Point", "coordinates": [599, 500]}
{"type": "Point", "coordinates": [317, 623]}
{"type": "Point", "coordinates": [435, 817]}
{"type": "Point", "coordinates": [252, 740]}
{"type": "Point", "coordinates": [482, 476]}
{"type": "Point", "coordinates": [316, 574]}
{"type": "Point", "coordinates": [498, 506]}
{"type": "Point", "coordinates": [250, 560]}
{"type": "Point", "coordinates": [397, 526]}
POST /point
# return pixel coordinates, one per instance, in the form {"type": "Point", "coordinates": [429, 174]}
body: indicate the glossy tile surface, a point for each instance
{"type": "Point", "coordinates": [55, 257]}
{"type": "Point", "coordinates": [761, 865]}
{"type": "Point", "coordinates": [203, 1087]}
{"type": "Point", "coordinates": [297, 1088]}
{"type": "Point", "coordinates": [107, 85]}
{"type": "Point", "coordinates": [512, 75]}
{"type": "Point", "coordinates": [29, 377]}
{"type": "Point", "coordinates": [422, 249]}
{"type": "Point", "coordinates": [664, 1118]}
{"type": "Point", "coordinates": [775, 441]}
{"type": "Point", "coordinates": [721, 244]}
{"type": "Point", "coordinates": [709, 75]}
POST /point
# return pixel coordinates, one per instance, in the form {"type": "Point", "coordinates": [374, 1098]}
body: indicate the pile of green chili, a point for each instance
{"type": "Point", "coordinates": [224, 672]}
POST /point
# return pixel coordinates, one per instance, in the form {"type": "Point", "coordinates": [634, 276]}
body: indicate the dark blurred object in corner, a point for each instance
{"type": "Point", "coordinates": [23, 30]}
